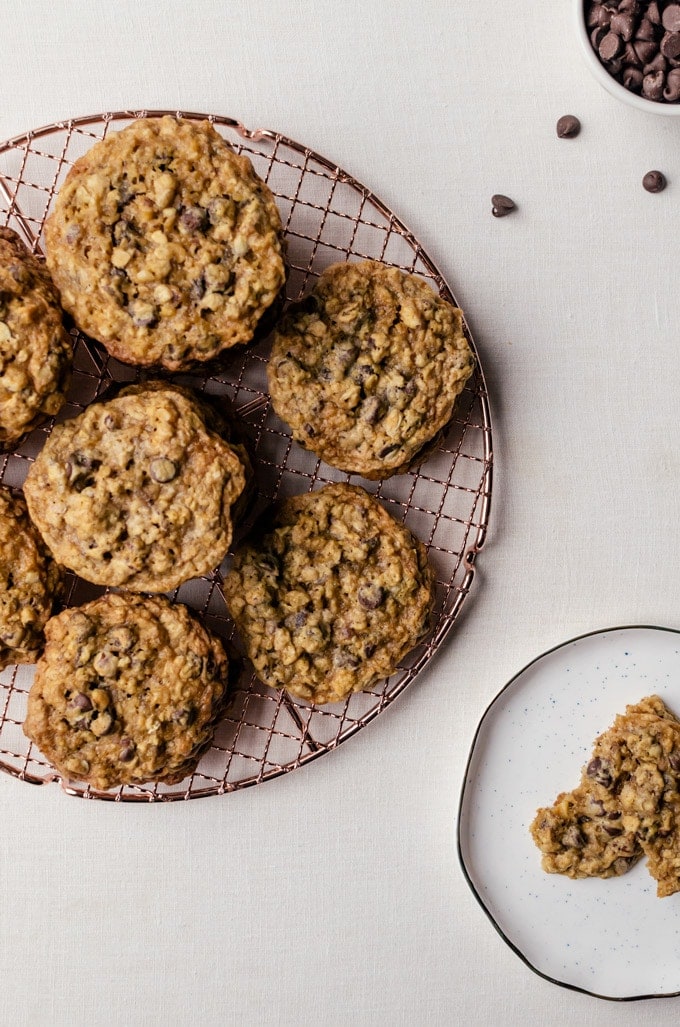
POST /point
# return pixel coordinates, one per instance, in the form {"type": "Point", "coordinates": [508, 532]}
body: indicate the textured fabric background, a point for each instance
{"type": "Point", "coordinates": [334, 896]}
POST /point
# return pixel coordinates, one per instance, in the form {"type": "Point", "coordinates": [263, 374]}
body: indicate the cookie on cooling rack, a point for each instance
{"type": "Point", "coordinates": [139, 491]}
{"type": "Point", "coordinates": [35, 352]}
{"type": "Point", "coordinates": [165, 244]}
{"type": "Point", "coordinates": [332, 596]}
{"type": "Point", "coordinates": [128, 690]}
{"type": "Point", "coordinates": [367, 368]}
{"type": "Point", "coordinates": [30, 583]}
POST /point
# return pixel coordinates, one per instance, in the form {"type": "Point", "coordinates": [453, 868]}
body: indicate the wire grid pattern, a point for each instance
{"type": "Point", "coordinates": [328, 217]}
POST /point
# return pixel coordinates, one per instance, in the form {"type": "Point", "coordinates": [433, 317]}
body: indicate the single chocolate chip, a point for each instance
{"type": "Point", "coordinates": [501, 205]}
{"type": "Point", "coordinates": [674, 761]}
{"type": "Point", "coordinates": [632, 79]}
{"type": "Point", "coordinates": [371, 596]}
{"type": "Point", "coordinates": [653, 85]}
{"type": "Point", "coordinates": [645, 50]}
{"type": "Point", "coordinates": [194, 219]}
{"type": "Point", "coordinates": [657, 63]}
{"type": "Point", "coordinates": [573, 837]}
{"type": "Point", "coordinates": [646, 31]}
{"type": "Point", "coordinates": [623, 24]}
{"type": "Point", "coordinates": [670, 18]}
{"type": "Point", "coordinates": [614, 832]}
{"type": "Point", "coordinates": [127, 750]}
{"type": "Point", "coordinates": [654, 181]}
{"type": "Point", "coordinates": [630, 58]}
{"type": "Point", "coordinates": [671, 92]}
{"type": "Point", "coordinates": [610, 46]}
{"type": "Point", "coordinates": [670, 45]}
{"type": "Point", "coordinates": [568, 126]}
{"type": "Point", "coordinates": [81, 702]}
{"type": "Point", "coordinates": [599, 771]}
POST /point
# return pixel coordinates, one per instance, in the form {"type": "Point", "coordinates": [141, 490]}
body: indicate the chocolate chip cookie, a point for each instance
{"type": "Point", "coordinates": [331, 596]}
{"type": "Point", "coordinates": [138, 491]}
{"type": "Point", "coordinates": [30, 583]}
{"type": "Point", "coordinates": [35, 352]}
{"type": "Point", "coordinates": [627, 804]}
{"type": "Point", "coordinates": [366, 370]}
{"type": "Point", "coordinates": [165, 245]}
{"type": "Point", "coordinates": [128, 690]}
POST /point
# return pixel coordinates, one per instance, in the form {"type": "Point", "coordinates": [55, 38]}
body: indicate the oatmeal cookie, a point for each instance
{"type": "Point", "coordinates": [30, 583]}
{"type": "Point", "coordinates": [138, 491]}
{"type": "Point", "coordinates": [35, 351]}
{"type": "Point", "coordinates": [332, 596]}
{"type": "Point", "coordinates": [366, 370]}
{"type": "Point", "coordinates": [165, 245]}
{"type": "Point", "coordinates": [626, 805]}
{"type": "Point", "coordinates": [128, 690]}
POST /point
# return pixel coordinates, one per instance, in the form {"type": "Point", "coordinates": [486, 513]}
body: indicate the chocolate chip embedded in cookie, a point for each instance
{"type": "Point", "coordinates": [165, 244]}
{"type": "Point", "coordinates": [332, 596]}
{"type": "Point", "coordinates": [30, 583]}
{"type": "Point", "coordinates": [35, 351]}
{"type": "Point", "coordinates": [138, 491]}
{"type": "Point", "coordinates": [128, 690]}
{"type": "Point", "coordinates": [366, 370]}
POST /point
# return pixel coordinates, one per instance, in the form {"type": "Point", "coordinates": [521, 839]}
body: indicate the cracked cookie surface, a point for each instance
{"type": "Point", "coordinates": [138, 491]}
{"type": "Point", "coordinates": [30, 582]}
{"type": "Point", "coordinates": [627, 805]}
{"type": "Point", "coordinates": [128, 690]}
{"type": "Point", "coordinates": [165, 245]}
{"type": "Point", "coordinates": [35, 351]}
{"type": "Point", "coordinates": [332, 596]}
{"type": "Point", "coordinates": [366, 370]}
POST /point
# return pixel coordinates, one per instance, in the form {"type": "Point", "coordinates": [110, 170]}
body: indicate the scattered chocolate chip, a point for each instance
{"type": "Point", "coordinates": [501, 205]}
{"type": "Point", "coordinates": [568, 126]}
{"type": "Point", "coordinates": [654, 181]}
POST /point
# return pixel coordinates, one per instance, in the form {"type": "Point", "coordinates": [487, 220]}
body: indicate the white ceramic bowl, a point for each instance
{"type": "Point", "coordinates": [608, 81]}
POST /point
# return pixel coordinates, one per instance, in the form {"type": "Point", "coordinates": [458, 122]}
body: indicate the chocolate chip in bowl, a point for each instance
{"type": "Point", "coordinates": [632, 47]}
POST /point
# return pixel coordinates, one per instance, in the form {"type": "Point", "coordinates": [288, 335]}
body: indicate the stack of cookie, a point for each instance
{"type": "Point", "coordinates": [165, 247]}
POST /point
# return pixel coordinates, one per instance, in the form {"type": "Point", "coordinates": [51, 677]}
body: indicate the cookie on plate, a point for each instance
{"type": "Point", "coordinates": [627, 804]}
{"type": "Point", "coordinates": [35, 351]}
{"type": "Point", "coordinates": [138, 491]}
{"type": "Point", "coordinates": [366, 370]}
{"type": "Point", "coordinates": [30, 583]}
{"type": "Point", "coordinates": [331, 596]}
{"type": "Point", "coordinates": [128, 690]}
{"type": "Point", "coordinates": [165, 244]}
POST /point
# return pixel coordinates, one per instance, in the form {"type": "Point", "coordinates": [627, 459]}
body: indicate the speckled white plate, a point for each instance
{"type": "Point", "coordinates": [614, 939]}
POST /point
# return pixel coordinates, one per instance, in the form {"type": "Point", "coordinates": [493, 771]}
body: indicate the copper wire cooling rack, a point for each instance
{"type": "Point", "coordinates": [328, 217]}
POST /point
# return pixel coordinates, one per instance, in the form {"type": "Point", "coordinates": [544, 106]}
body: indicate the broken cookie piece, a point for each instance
{"type": "Point", "coordinates": [627, 804]}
